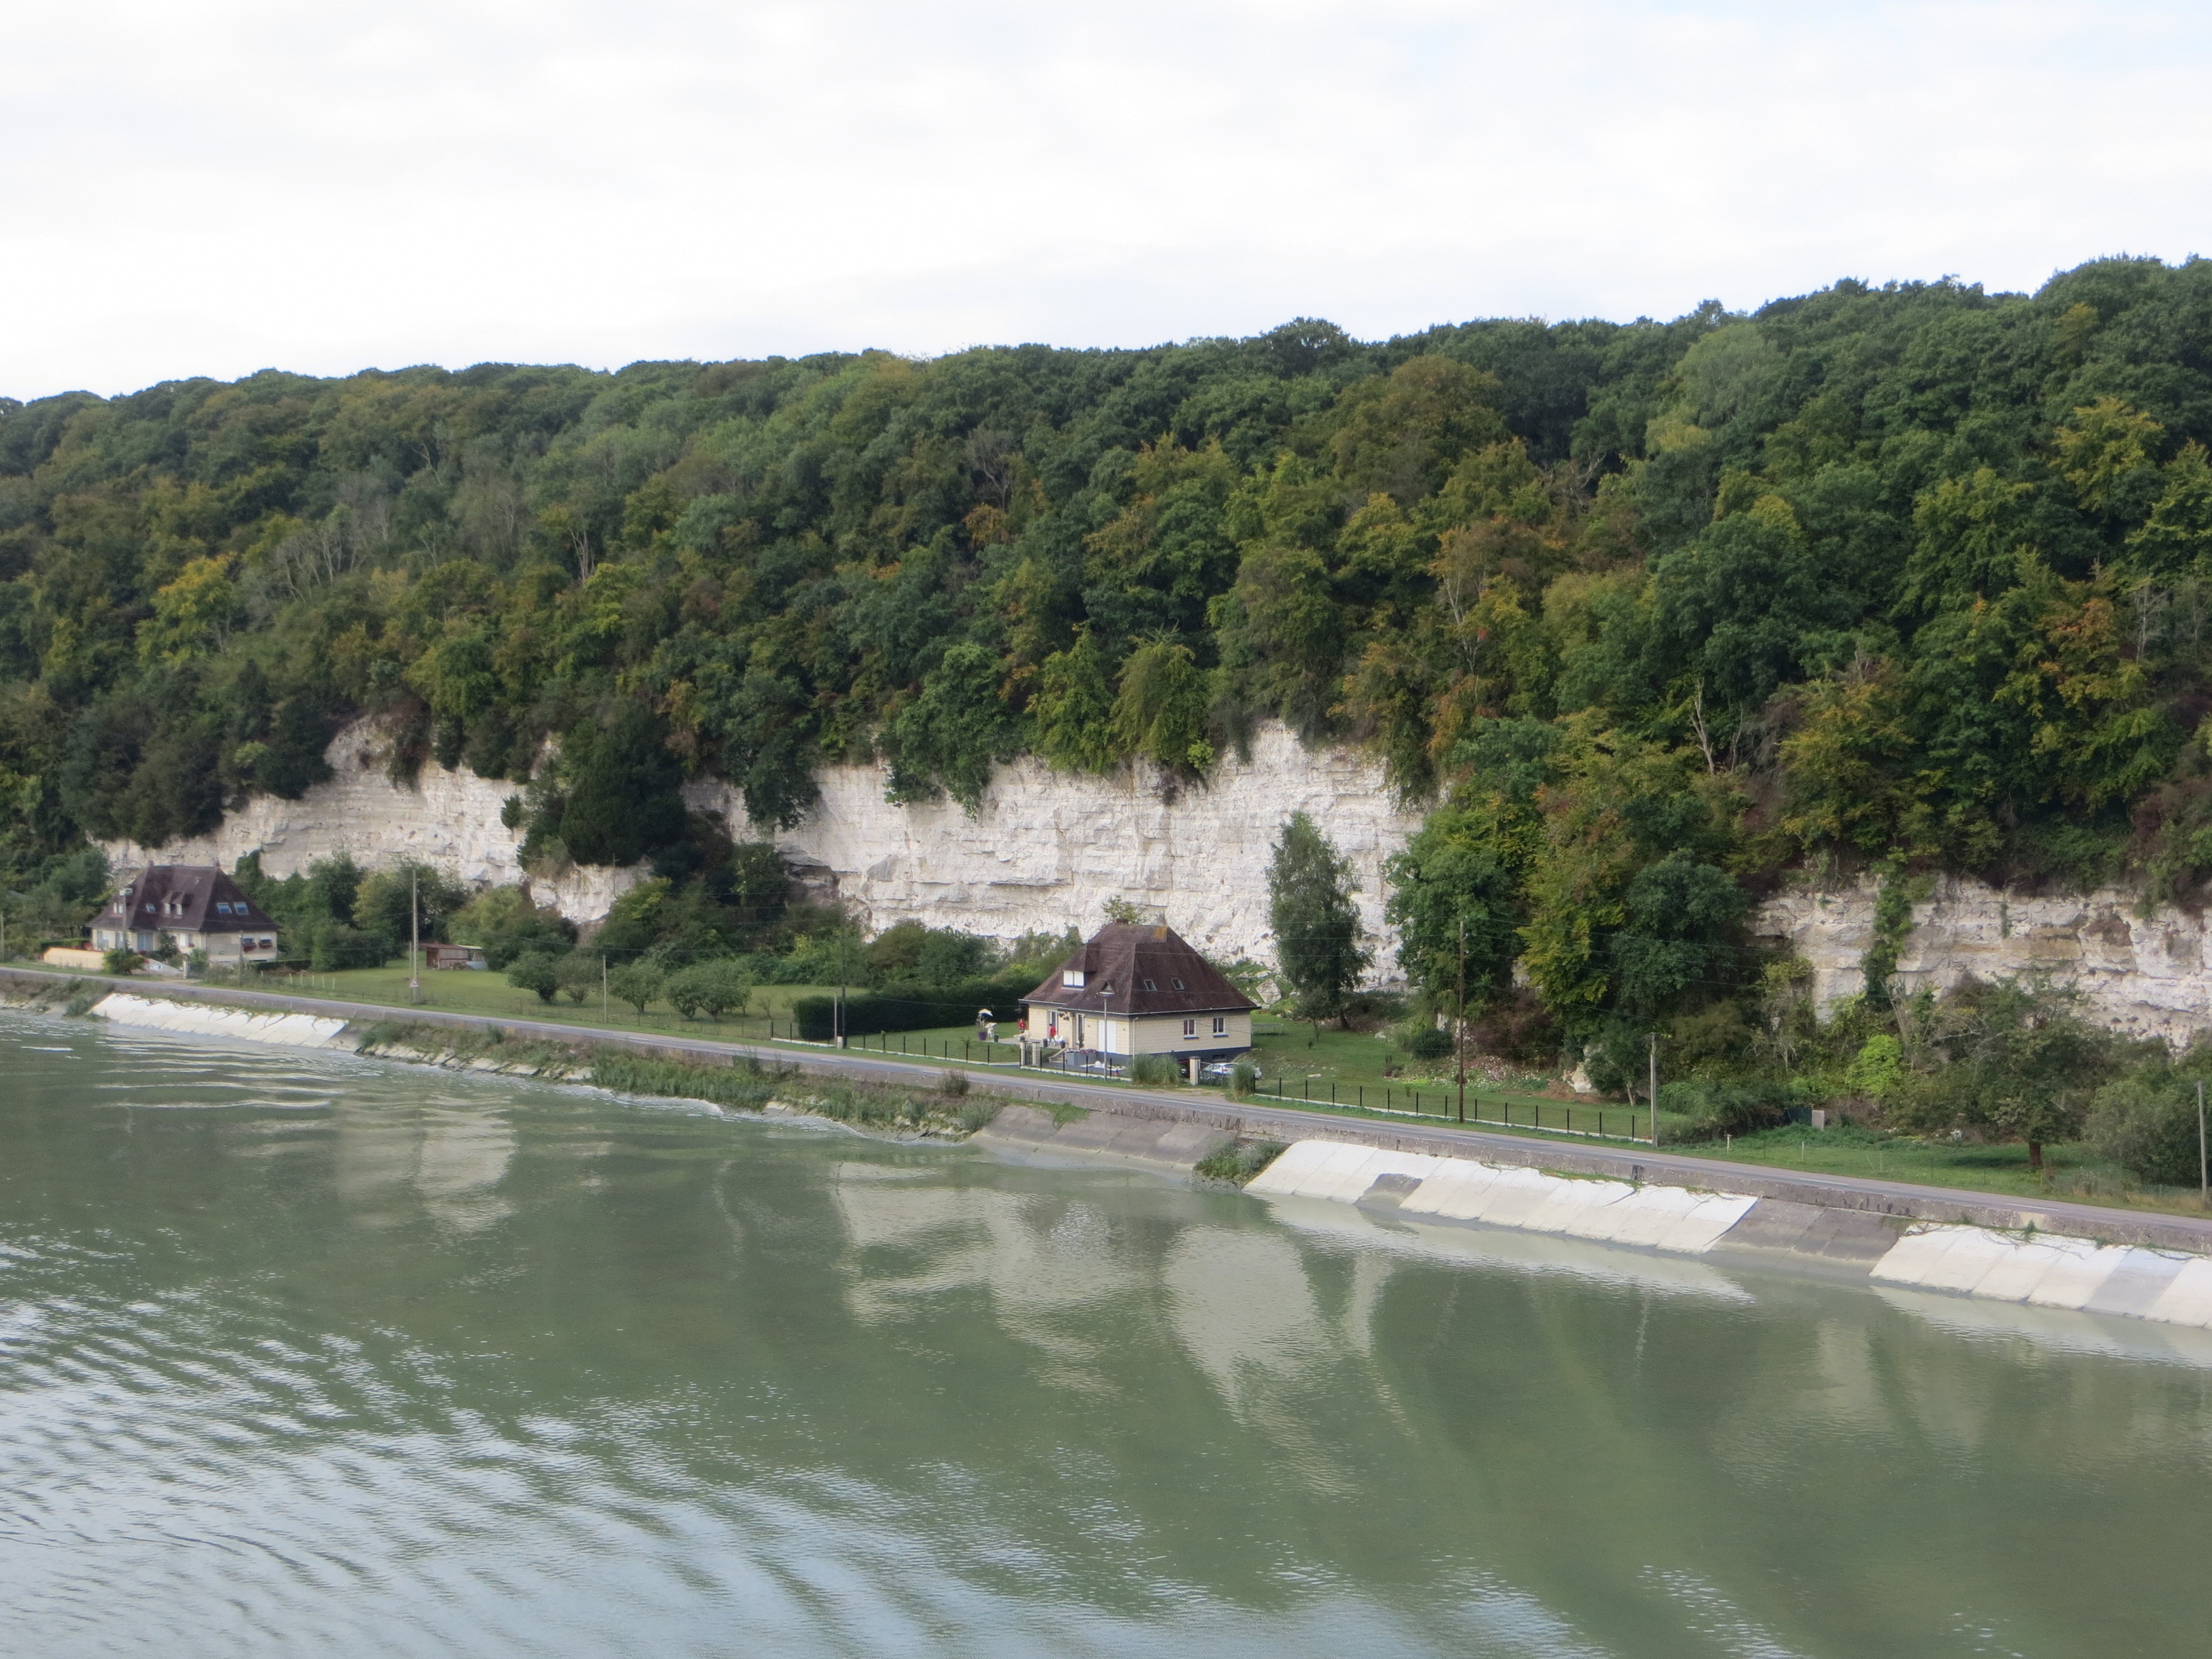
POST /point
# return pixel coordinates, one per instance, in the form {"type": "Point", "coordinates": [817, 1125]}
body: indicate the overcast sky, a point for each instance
{"type": "Point", "coordinates": [215, 186]}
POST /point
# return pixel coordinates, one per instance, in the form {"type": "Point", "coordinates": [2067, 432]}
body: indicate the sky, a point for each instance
{"type": "Point", "coordinates": [219, 187]}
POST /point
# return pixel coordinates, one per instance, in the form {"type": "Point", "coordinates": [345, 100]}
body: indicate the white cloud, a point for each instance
{"type": "Point", "coordinates": [214, 189]}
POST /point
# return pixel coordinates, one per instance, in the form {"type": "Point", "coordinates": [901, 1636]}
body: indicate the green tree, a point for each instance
{"type": "Point", "coordinates": [1073, 707]}
{"type": "Point", "coordinates": [534, 970]}
{"type": "Point", "coordinates": [582, 975]}
{"type": "Point", "coordinates": [1160, 709]}
{"type": "Point", "coordinates": [714, 988]}
{"type": "Point", "coordinates": [1675, 940]}
{"type": "Point", "coordinates": [954, 732]}
{"type": "Point", "coordinates": [2010, 1058]}
{"type": "Point", "coordinates": [624, 797]}
{"type": "Point", "coordinates": [1317, 926]}
{"type": "Point", "coordinates": [1283, 634]}
{"type": "Point", "coordinates": [636, 983]}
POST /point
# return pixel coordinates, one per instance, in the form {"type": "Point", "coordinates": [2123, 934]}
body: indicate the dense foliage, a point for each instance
{"type": "Point", "coordinates": [1647, 612]}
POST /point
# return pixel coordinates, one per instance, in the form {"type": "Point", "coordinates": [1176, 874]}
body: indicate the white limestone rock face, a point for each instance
{"type": "Point", "coordinates": [1045, 851]}
{"type": "Point", "coordinates": [2146, 976]}
{"type": "Point", "coordinates": [448, 820]}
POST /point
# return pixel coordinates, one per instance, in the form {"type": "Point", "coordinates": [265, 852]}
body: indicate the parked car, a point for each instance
{"type": "Point", "coordinates": [1217, 1071]}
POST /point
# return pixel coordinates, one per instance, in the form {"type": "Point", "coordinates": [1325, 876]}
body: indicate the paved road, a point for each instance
{"type": "Point", "coordinates": [1286, 1122]}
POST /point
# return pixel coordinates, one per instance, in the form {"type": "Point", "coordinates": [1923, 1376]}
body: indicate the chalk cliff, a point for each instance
{"type": "Point", "coordinates": [2142, 974]}
{"type": "Point", "coordinates": [1045, 851]}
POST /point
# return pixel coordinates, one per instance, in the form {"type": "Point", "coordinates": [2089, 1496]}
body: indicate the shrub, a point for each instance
{"type": "Point", "coordinates": [1239, 1162]}
{"type": "Point", "coordinates": [581, 973]}
{"type": "Point", "coordinates": [1369, 1011]}
{"type": "Point", "coordinates": [635, 982]}
{"type": "Point", "coordinates": [714, 988]}
{"type": "Point", "coordinates": [1724, 1108]}
{"type": "Point", "coordinates": [976, 1113]}
{"type": "Point", "coordinates": [927, 955]}
{"type": "Point", "coordinates": [534, 970]}
{"type": "Point", "coordinates": [1243, 1079]}
{"type": "Point", "coordinates": [79, 1005]}
{"type": "Point", "coordinates": [2146, 1124]}
{"type": "Point", "coordinates": [121, 962]}
{"type": "Point", "coordinates": [954, 1083]}
{"type": "Point", "coordinates": [908, 1008]}
{"type": "Point", "coordinates": [336, 946]}
{"type": "Point", "coordinates": [1155, 1069]}
{"type": "Point", "coordinates": [1516, 1027]}
{"type": "Point", "coordinates": [1430, 1043]}
{"type": "Point", "coordinates": [508, 924]}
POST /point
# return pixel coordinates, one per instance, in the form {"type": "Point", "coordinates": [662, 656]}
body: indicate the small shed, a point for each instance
{"type": "Point", "coordinates": [455, 956]}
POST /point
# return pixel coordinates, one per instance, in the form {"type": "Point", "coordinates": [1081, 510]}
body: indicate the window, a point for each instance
{"type": "Point", "coordinates": [1177, 983]}
{"type": "Point", "coordinates": [1149, 986]}
{"type": "Point", "coordinates": [1071, 978]}
{"type": "Point", "coordinates": [1221, 1025]}
{"type": "Point", "coordinates": [1190, 1028]}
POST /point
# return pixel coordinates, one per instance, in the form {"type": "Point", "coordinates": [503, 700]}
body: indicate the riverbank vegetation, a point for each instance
{"type": "Point", "coordinates": [751, 1086]}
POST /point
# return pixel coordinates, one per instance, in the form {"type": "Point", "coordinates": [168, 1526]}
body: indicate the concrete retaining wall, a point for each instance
{"type": "Point", "coordinates": [291, 1030]}
{"type": "Point", "coordinates": [2043, 1271]}
{"type": "Point", "coordinates": [1676, 1219]}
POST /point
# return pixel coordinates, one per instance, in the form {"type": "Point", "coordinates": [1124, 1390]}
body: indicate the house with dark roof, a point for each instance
{"type": "Point", "coordinates": [1134, 988]}
{"type": "Point", "coordinates": [195, 906]}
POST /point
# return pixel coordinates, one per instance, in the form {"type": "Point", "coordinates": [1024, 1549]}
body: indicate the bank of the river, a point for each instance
{"type": "Point", "coordinates": [707, 1061]}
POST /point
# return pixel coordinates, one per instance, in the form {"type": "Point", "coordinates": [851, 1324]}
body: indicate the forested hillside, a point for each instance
{"type": "Point", "coordinates": [1646, 612]}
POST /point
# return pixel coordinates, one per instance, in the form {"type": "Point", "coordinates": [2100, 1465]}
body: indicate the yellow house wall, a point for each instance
{"type": "Point", "coordinates": [1158, 1034]}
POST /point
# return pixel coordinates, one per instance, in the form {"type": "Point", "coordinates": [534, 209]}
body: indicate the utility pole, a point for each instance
{"type": "Point", "coordinates": [1655, 1090]}
{"type": "Point", "coordinates": [603, 985]}
{"type": "Point", "coordinates": [1459, 1026]}
{"type": "Point", "coordinates": [414, 937]}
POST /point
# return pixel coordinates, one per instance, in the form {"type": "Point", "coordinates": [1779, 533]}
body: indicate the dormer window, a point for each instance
{"type": "Point", "coordinates": [1177, 983]}
{"type": "Point", "coordinates": [1072, 978]}
{"type": "Point", "coordinates": [1149, 986]}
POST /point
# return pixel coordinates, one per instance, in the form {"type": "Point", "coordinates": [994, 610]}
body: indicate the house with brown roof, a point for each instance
{"type": "Point", "coordinates": [195, 906]}
{"type": "Point", "coordinates": [1134, 988]}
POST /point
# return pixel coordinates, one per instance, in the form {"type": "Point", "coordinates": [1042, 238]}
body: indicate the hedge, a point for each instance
{"type": "Point", "coordinates": [909, 1007]}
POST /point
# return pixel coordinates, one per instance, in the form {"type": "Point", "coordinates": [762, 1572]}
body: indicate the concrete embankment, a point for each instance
{"type": "Point", "coordinates": [294, 1030]}
{"type": "Point", "coordinates": [2039, 1270]}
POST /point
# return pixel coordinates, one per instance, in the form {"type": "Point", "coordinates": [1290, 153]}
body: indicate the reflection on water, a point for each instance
{"type": "Point", "coordinates": [303, 1354]}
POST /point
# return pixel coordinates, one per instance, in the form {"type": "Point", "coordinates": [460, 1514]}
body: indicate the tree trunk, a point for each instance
{"type": "Point", "coordinates": [2035, 1158]}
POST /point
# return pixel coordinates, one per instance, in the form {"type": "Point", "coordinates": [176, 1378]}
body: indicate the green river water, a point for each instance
{"type": "Point", "coordinates": [301, 1354]}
